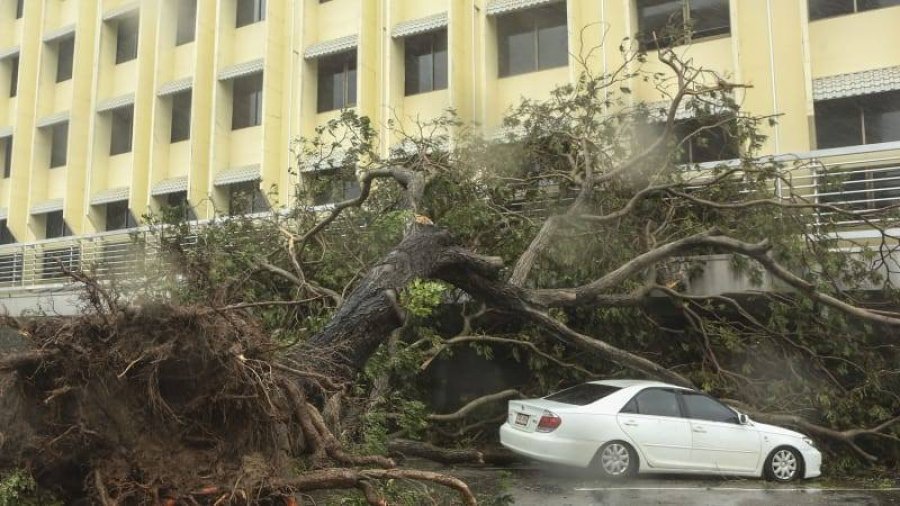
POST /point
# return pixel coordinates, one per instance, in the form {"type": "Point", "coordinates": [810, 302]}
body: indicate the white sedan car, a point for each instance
{"type": "Point", "coordinates": [622, 427]}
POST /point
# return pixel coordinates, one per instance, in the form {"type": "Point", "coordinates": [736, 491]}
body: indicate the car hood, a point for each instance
{"type": "Point", "coordinates": [774, 429]}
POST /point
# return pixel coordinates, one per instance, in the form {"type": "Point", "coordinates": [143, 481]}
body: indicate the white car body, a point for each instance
{"type": "Point", "coordinates": [664, 444]}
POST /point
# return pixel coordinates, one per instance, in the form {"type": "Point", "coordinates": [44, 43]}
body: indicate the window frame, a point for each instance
{"type": "Point", "coordinates": [253, 195]}
{"type": "Point", "coordinates": [179, 132]}
{"type": "Point", "coordinates": [185, 33]}
{"type": "Point", "coordinates": [633, 400]}
{"type": "Point", "coordinates": [505, 32]}
{"type": "Point", "coordinates": [861, 104]}
{"type": "Point", "coordinates": [129, 25]}
{"type": "Point", "coordinates": [254, 101]}
{"type": "Point", "coordinates": [324, 192]}
{"type": "Point", "coordinates": [256, 12]}
{"type": "Point", "coordinates": [348, 63]}
{"type": "Point", "coordinates": [63, 231]}
{"type": "Point", "coordinates": [7, 156]}
{"type": "Point", "coordinates": [64, 72]}
{"type": "Point", "coordinates": [646, 43]}
{"type": "Point", "coordinates": [59, 149]}
{"type": "Point", "coordinates": [854, 8]}
{"type": "Point", "coordinates": [127, 143]}
{"type": "Point", "coordinates": [433, 39]}
{"type": "Point", "coordinates": [120, 206]}
{"type": "Point", "coordinates": [687, 410]}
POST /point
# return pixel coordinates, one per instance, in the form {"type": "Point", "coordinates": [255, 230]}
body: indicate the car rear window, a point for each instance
{"type": "Point", "coordinates": [582, 395]}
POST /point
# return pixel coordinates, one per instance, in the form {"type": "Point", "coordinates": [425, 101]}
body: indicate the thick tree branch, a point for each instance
{"type": "Point", "coordinates": [473, 405]}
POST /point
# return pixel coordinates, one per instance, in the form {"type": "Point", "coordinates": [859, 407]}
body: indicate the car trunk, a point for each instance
{"type": "Point", "coordinates": [525, 414]}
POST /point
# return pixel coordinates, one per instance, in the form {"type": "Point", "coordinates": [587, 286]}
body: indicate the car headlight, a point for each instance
{"type": "Point", "coordinates": [809, 441]}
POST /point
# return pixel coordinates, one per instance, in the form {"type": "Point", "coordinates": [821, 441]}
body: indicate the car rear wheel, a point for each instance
{"type": "Point", "coordinates": [784, 465]}
{"type": "Point", "coordinates": [616, 460]}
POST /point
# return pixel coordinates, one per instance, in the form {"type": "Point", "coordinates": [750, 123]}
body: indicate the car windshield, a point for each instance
{"type": "Point", "coordinates": [582, 395]}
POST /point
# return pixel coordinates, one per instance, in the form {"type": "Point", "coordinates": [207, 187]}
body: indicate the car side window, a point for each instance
{"type": "Point", "coordinates": [702, 407]}
{"type": "Point", "coordinates": [654, 401]}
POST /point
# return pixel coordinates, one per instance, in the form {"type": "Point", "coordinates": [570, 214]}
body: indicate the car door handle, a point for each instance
{"type": "Point", "coordinates": [630, 423]}
{"type": "Point", "coordinates": [699, 429]}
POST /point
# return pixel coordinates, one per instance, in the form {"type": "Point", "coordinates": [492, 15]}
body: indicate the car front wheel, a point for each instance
{"type": "Point", "coordinates": [616, 460]}
{"type": "Point", "coordinates": [784, 465]}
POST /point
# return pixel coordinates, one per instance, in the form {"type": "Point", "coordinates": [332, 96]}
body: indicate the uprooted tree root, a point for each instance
{"type": "Point", "coordinates": [165, 404]}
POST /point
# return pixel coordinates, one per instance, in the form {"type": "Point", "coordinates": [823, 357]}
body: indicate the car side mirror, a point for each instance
{"type": "Point", "coordinates": [743, 419]}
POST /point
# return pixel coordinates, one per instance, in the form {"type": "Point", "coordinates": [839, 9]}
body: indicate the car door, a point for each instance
{"type": "Point", "coordinates": [719, 442]}
{"type": "Point", "coordinates": [654, 422]}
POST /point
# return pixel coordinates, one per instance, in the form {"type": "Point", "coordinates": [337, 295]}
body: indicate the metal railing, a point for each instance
{"type": "Point", "coordinates": [861, 181]}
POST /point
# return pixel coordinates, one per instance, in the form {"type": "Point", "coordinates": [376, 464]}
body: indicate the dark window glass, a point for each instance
{"type": "Point", "coordinates": [65, 52]}
{"type": "Point", "coordinates": [426, 62]}
{"type": "Point", "coordinates": [20, 8]}
{"type": "Point", "coordinates": [176, 205]}
{"type": "Point", "coordinates": [246, 198]}
{"type": "Point", "coordinates": [819, 9]}
{"type": "Point", "coordinates": [657, 402]}
{"type": "Point", "coordinates": [337, 82]}
{"type": "Point", "coordinates": [532, 40]}
{"type": "Point", "coordinates": [247, 106]}
{"type": "Point", "coordinates": [250, 11]}
{"type": "Point", "coordinates": [118, 216]}
{"type": "Point", "coordinates": [187, 21]}
{"type": "Point", "coordinates": [55, 226]}
{"type": "Point", "coordinates": [6, 236]}
{"type": "Point", "coordinates": [582, 395]}
{"type": "Point", "coordinates": [709, 18]}
{"type": "Point", "coordinates": [701, 407]}
{"type": "Point", "coordinates": [881, 118]}
{"type": "Point", "coordinates": [331, 186]}
{"type": "Point", "coordinates": [708, 140]}
{"type": "Point", "coordinates": [858, 120]}
{"type": "Point", "coordinates": [59, 144]}
{"type": "Point", "coordinates": [14, 76]}
{"type": "Point", "coordinates": [674, 20]}
{"type": "Point", "coordinates": [127, 39]}
{"type": "Point", "coordinates": [7, 146]}
{"type": "Point", "coordinates": [122, 124]}
{"type": "Point", "coordinates": [181, 116]}
{"type": "Point", "coordinates": [866, 188]}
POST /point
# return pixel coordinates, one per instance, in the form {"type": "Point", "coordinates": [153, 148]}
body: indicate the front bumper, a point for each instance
{"type": "Point", "coordinates": [812, 462]}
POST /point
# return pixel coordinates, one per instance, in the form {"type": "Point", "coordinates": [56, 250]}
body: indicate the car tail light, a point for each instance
{"type": "Point", "coordinates": [549, 422]}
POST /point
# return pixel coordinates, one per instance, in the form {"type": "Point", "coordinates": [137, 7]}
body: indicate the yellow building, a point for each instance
{"type": "Point", "coordinates": [112, 108]}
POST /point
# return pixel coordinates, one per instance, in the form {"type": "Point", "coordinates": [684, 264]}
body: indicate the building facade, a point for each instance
{"type": "Point", "coordinates": [112, 108]}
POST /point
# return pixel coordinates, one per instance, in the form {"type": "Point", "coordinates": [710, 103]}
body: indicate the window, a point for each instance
{"type": "Point", "coordinates": [6, 236]}
{"type": "Point", "coordinates": [654, 401]}
{"type": "Point", "coordinates": [532, 40]}
{"type": "Point", "coordinates": [175, 206]}
{"type": "Point", "coordinates": [55, 226]}
{"type": "Point", "coordinates": [853, 121]}
{"type": "Point", "coordinates": [118, 216]}
{"type": "Point", "coordinates": [819, 9]}
{"type": "Point", "coordinates": [122, 123]}
{"type": "Point", "coordinates": [6, 145]}
{"type": "Point", "coordinates": [674, 20]}
{"type": "Point", "coordinates": [331, 186]}
{"type": "Point", "coordinates": [127, 38]}
{"type": "Point", "coordinates": [250, 11]}
{"type": "Point", "coordinates": [13, 75]}
{"type": "Point", "coordinates": [582, 395]}
{"type": "Point", "coordinates": [426, 62]}
{"type": "Point", "coordinates": [247, 106]}
{"type": "Point", "coordinates": [59, 144]}
{"type": "Point", "coordinates": [337, 82]}
{"type": "Point", "coordinates": [187, 21]}
{"type": "Point", "coordinates": [181, 116]}
{"type": "Point", "coordinates": [702, 407]}
{"type": "Point", "coordinates": [246, 198]}
{"type": "Point", "coordinates": [706, 140]}
{"type": "Point", "coordinates": [65, 52]}
{"type": "Point", "coordinates": [20, 8]}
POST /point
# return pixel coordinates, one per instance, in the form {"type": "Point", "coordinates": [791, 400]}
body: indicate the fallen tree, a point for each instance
{"type": "Point", "coordinates": [286, 342]}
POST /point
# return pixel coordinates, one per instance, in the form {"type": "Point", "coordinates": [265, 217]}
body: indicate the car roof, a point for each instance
{"type": "Point", "coordinates": [625, 383]}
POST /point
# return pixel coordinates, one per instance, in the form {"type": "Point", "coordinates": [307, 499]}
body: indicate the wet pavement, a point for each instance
{"type": "Point", "coordinates": [546, 486]}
